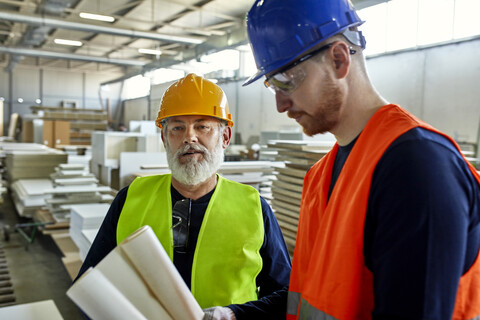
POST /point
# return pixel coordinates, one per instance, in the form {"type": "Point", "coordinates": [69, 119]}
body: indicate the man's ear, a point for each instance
{"type": "Point", "coordinates": [227, 135]}
{"type": "Point", "coordinates": [163, 138]}
{"type": "Point", "coordinates": [340, 54]}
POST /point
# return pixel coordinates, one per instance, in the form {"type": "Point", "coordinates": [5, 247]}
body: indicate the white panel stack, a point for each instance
{"type": "Point", "coordinates": [74, 184]}
{"type": "Point", "coordinates": [85, 220]}
{"type": "Point", "coordinates": [64, 196]}
{"type": "Point", "coordinates": [29, 195]}
{"type": "Point", "coordinates": [107, 146]}
{"type": "Point", "coordinates": [73, 174]}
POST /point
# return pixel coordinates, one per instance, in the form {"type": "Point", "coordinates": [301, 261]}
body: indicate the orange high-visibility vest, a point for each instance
{"type": "Point", "coordinates": [329, 279]}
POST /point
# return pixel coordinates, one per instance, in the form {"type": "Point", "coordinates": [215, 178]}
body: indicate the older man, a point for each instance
{"type": "Point", "coordinates": [389, 222]}
{"type": "Point", "coordinates": [221, 235]}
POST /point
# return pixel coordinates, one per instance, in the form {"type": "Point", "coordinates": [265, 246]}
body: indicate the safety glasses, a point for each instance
{"type": "Point", "coordinates": [288, 79]}
{"type": "Point", "coordinates": [181, 224]}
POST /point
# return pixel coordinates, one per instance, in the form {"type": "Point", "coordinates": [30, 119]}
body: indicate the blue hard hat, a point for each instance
{"type": "Point", "coordinates": [280, 31]}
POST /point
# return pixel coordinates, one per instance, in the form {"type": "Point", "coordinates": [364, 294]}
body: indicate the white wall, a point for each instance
{"type": "Point", "coordinates": [52, 86]}
{"type": "Point", "coordinates": [440, 85]}
{"type": "Point", "coordinates": [135, 109]}
{"type": "Point", "coordinates": [156, 94]}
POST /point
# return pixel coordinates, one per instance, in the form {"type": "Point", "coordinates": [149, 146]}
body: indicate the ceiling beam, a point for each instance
{"type": "Point", "coordinates": [69, 56]}
{"type": "Point", "coordinates": [213, 44]}
{"type": "Point", "coordinates": [95, 28]}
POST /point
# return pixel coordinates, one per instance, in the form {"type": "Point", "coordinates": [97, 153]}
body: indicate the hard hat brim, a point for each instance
{"type": "Point", "coordinates": [254, 78]}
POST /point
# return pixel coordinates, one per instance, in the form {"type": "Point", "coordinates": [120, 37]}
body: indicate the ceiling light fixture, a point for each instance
{"type": "Point", "coordinates": [93, 16]}
{"type": "Point", "coordinates": [68, 42]}
{"type": "Point", "coordinates": [150, 51]}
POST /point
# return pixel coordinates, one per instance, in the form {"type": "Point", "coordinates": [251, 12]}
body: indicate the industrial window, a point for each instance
{"type": "Point", "coordinates": [403, 24]}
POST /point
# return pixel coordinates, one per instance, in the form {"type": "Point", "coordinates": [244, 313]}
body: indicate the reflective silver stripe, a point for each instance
{"type": "Point", "coordinates": [292, 303]}
{"type": "Point", "coordinates": [308, 312]}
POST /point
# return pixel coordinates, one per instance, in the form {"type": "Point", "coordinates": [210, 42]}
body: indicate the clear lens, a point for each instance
{"type": "Point", "coordinates": [286, 82]}
{"type": "Point", "coordinates": [292, 76]}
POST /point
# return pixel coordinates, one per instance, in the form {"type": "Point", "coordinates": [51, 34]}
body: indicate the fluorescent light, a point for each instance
{"type": "Point", "coordinates": [93, 16]}
{"type": "Point", "coordinates": [150, 51]}
{"type": "Point", "coordinates": [68, 42]}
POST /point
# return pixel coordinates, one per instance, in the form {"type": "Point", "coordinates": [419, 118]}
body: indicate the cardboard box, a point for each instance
{"type": "Point", "coordinates": [61, 133]}
{"type": "Point", "coordinates": [48, 133]}
{"type": "Point", "coordinates": [27, 131]}
{"type": "Point", "coordinates": [56, 133]}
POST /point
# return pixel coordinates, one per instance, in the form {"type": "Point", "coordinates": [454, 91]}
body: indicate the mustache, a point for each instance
{"type": "Point", "coordinates": [191, 146]}
{"type": "Point", "coordinates": [294, 114]}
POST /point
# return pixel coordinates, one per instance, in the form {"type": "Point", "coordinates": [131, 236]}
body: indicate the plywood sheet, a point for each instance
{"type": "Point", "coordinates": [287, 186]}
{"type": "Point", "coordinates": [65, 243]}
{"type": "Point", "coordinates": [287, 193]}
{"type": "Point", "coordinates": [302, 145]}
{"type": "Point", "coordinates": [72, 263]}
{"type": "Point", "coordinates": [290, 179]}
{"type": "Point", "coordinates": [293, 172]}
{"type": "Point", "coordinates": [294, 208]}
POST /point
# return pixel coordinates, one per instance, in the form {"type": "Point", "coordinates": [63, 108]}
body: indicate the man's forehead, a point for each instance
{"type": "Point", "coordinates": [192, 118]}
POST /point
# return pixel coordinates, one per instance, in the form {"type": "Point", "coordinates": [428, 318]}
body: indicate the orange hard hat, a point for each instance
{"type": "Point", "coordinates": [194, 95]}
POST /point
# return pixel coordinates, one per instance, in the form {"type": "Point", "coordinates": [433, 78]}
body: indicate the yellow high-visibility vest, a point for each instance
{"type": "Point", "coordinates": [227, 255]}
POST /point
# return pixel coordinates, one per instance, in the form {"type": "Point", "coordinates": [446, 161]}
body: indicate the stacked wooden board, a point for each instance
{"type": "Point", "coordinates": [83, 121]}
{"type": "Point", "coordinates": [286, 186]}
{"type": "Point", "coordinates": [30, 160]}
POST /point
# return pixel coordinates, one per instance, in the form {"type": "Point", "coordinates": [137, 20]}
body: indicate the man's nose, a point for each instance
{"type": "Point", "coordinates": [283, 102]}
{"type": "Point", "coordinates": [190, 135]}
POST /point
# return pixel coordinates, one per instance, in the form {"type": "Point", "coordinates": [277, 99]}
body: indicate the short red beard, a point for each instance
{"type": "Point", "coordinates": [326, 115]}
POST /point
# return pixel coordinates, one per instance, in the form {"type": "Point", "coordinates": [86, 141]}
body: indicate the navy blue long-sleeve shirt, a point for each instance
{"type": "Point", "coordinates": [272, 280]}
{"type": "Point", "coordinates": [422, 228]}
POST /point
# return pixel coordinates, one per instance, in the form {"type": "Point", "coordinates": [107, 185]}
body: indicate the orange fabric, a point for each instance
{"type": "Point", "coordinates": [328, 263]}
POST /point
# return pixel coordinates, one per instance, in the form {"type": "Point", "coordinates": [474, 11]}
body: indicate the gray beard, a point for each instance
{"type": "Point", "coordinates": [194, 172]}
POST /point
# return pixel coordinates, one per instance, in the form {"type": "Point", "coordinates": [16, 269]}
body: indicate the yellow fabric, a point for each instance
{"type": "Point", "coordinates": [227, 256]}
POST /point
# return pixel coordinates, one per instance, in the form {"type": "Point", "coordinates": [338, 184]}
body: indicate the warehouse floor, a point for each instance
{"type": "Point", "coordinates": [31, 272]}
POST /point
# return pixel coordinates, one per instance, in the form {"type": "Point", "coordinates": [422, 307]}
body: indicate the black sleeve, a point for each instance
{"type": "Point", "coordinates": [106, 238]}
{"type": "Point", "coordinates": [422, 228]}
{"type": "Point", "coordinates": [275, 275]}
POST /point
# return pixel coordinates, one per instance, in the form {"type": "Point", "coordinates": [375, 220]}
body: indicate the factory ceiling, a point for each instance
{"type": "Point", "coordinates": [180, 29]}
